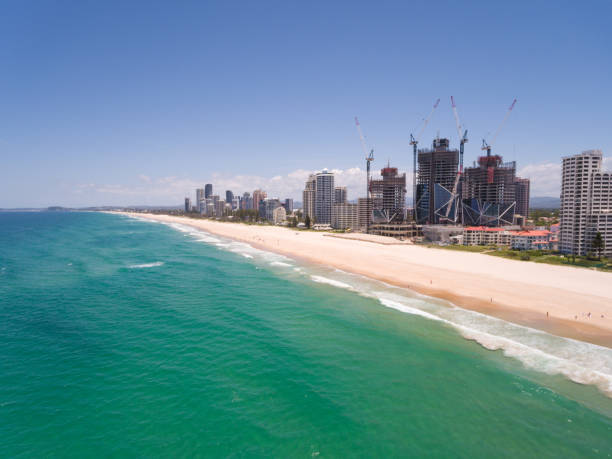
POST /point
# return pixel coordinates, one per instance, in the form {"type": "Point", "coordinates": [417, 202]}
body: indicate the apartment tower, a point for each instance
{"type": "Point", "coordinates": [586, 203]}
{"type": "Point", "coordinates": [324, 197]}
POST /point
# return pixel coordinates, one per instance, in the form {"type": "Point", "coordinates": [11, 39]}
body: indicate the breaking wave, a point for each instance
{"type": "Point", "coordinates": [578, 361]}
{"type": "Point", "coordinates": [146, 265]}
{"type": "Point", "coordinates": [335, 283]}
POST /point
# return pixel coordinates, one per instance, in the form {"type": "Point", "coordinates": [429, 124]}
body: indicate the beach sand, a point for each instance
{"type": "Point", "coordinates": [517, 291]}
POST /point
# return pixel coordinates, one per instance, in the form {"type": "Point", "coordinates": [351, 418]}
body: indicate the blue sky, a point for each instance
{"type": "Point", "coordinates": [139, 102]}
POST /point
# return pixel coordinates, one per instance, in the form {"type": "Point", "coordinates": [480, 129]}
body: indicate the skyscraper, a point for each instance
{"type": "Point", "coordinates": [258, 196]}
{"type": "Point", "coordinates": [187, 204]}
{"type": "Point", "coordinates": [324, 197]}
{"type": "Point", "coordinates": [208, 190]}
{"type": "Point", "coordinates": [288, 205]}
{"type": "Point", "coordinates": [247, 202]}
{"type": "Point", "coordinates": [388, 196]}
{"type": "Point", "coordinates": [586, 203]}
{"type": "Point", "coordinates": [229, 196]}
{"type": "Point", "coordinates": [308, 197]}
{"type": "Point", "coordinates": [199, 198]}
{"type": "Point", "coordinates": [437, 174]}
{"type": "Point", "coordinates": [489, 192]}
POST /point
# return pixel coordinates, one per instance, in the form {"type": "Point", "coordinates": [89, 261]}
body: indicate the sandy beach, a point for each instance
{"type": "Point", "coordinates": [566, 301]}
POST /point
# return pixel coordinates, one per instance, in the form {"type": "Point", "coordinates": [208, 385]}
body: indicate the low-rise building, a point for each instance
{"type": "Point", "coordinates": [531, 240]}
{"type": "Point", "coordinates": [396, 230]}
{"type": "Point", "coordinates": [484, 235]}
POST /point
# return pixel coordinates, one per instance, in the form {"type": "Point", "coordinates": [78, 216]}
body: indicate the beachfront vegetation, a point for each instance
{"type": "Point", "coordinates": [537, 256]}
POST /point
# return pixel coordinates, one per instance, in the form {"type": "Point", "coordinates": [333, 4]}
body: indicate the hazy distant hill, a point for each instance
{"type": "Point", "coordinates": [544, 202]}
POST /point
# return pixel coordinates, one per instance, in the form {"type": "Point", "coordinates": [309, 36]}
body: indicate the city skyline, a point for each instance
{"type": "Point", "coordinates": [261, 97]}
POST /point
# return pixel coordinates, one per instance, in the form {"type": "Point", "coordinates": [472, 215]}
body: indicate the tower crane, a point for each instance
{"type": "Point", "coordinates": [369, 157]}
{"type": "Point", "coordinates": [486, 146]}
{"type": "Point", "coordinates": [414, 142]}
{"type": "Point", "coordinates": [462, 141]}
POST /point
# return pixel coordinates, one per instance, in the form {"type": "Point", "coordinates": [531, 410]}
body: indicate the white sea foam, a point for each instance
{"type": "Point", "coordinates": [146, 265]}
{"type": "Point", "coordinates": [408, 309]}
{"type": "Point", "coordinates": [578, 361]}
{"type": "Point", "coordinates": [581, 362]}
{"type": "Point", "coordinates": [335, 283]}
{"type": "Point", "coordinates": [280, 263]}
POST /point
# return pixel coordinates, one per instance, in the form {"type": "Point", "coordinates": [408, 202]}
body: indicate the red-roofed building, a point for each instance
{"type": "Point", "coordinates": [521, 240]}
{"type": "Point", "coordinates": [531, 240]}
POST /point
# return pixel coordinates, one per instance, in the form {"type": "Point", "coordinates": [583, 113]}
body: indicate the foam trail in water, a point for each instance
{"type": "Point", "coordinates": [280, 263]}
{"type": "Point", "coordinates": [146, 265]}
{"type": "Point", "coordinates": [335, 283]}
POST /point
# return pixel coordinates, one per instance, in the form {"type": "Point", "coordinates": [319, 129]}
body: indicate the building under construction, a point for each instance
{"type": "Point", "coordinates": [388, 196]}
{"type": "Point", "coordinates": [437, 180]}
{"type": "Point", "coordinates": [522, 196]}
{"type": "Point", "coordinates": [489, 192]}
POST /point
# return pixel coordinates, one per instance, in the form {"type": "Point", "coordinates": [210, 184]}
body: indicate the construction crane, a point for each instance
{"type": "Point", "coordinates": [414, 142]}
{"type": "Point", "coordinates": [486, 146]}
{"type": "Point", "coordinates": [462, 141]}
{"type": "Point", "coordinates": [369, 157]}
{"type": "Point", "coordinates": [462, 138]}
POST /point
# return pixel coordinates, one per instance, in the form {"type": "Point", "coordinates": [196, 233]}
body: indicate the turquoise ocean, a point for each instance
{"type": "Point", "coordinates": [128, 338]}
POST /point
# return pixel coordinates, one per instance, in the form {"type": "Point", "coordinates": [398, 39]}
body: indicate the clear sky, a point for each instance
{"type": "Point", "coordinates": [131, 102]}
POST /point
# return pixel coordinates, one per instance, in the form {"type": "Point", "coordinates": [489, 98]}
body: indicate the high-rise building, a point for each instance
{"type": "Point", "coordinates": [229, 196]}
{"type": "Point", "coordinates": [522, 196]}
{"type": "Point", "coordinates": [267, 207]}
{"type": "Point", "coordinates": [308, 197]}
{"type": "Point", "coordinates": [388, 196]}
{"type": "Point", "coordinates": [247, 202]}
{"type": "Point", "coordinates": [208, 190]}
{"type": "Point", "coordinates": [289, 205]}
{"type": "Point", "coordinates": [340, 194]}
{"type": "Point", "coordinates": [187, 204]}
{"type": "Point", "coordinates": [324, 197]}
{"type": "Point", "coordinates": [258, 196]}
{"type": "Point", "coordinates": [344, 216]}
{"type": "Point", "coordinates": [364, 213]}
{"type": "Point", "coordinates": [586, 204]}
{"type": "Point", "coordinates": [489, 192]}
{"type": "Point", "coordinates": [436, 178]}
{"type": "Point", "coordinates": [215, 212]}
{"type": "Point", "coordinates": [279, 215]}
{"type": "Point", "coordinates": [199, 198]}
{"type": "Point", "coordinates": [219, 207]}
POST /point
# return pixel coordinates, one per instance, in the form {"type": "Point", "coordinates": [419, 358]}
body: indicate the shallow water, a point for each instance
{"type": "Point", "coordinates": [128, 337]}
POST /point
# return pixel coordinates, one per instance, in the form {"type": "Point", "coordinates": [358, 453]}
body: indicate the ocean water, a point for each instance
{"type": "Point", "coordinates": [122, 337]}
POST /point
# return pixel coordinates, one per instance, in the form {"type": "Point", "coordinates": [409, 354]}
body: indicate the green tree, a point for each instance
{"type": "Point", "coordinates": [598, 244]}
{"type": "Point", "coordinates": [307, 221]}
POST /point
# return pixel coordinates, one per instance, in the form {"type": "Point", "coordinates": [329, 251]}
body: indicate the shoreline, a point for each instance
{"type": "Point", "coordinates": [497, 287]}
